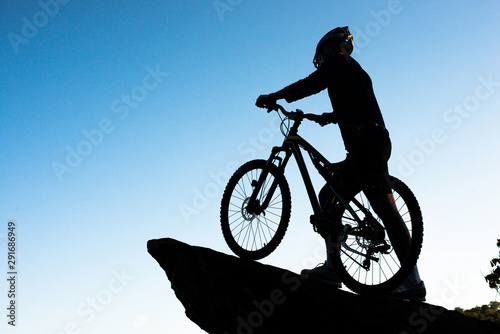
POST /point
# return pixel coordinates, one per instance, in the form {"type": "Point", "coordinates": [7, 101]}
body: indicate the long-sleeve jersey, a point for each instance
{"type": "Point", "coordinates": [350, 90]}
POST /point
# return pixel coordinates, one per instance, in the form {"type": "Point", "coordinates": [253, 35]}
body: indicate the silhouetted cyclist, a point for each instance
{"type": "Point", "coordinates": [364, 134]}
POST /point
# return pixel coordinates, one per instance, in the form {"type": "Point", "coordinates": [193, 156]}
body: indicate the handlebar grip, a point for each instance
{"type": "Point", "coordinates": [299, 113]}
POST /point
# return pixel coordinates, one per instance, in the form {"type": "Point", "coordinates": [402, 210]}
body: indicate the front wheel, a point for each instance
{"type": "Point", "coordinates": [254, 230]}
{"type": "Point", "coordinates": [374, 255]}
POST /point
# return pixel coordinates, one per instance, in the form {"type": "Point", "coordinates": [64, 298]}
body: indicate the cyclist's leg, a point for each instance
{"type": "Point", "coordinates": [372, 159]}
{"type": "Point", "coordinates": [396, 229]}
{"type": "Point", "coordinates": [345, 177]}
{"type": "Point", "coordinates": [383, 204]}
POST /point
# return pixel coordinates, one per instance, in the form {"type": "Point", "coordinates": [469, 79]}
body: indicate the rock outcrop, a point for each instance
{"type": "Point", "coordinates": [224, 294]}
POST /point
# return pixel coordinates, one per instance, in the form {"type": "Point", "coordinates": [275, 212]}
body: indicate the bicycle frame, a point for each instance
{"type": "Point", "coordinates": [292, 145]}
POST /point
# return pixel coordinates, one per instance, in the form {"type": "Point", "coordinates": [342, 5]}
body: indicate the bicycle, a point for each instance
{"type": "Point", "coordinates": [256, 209]}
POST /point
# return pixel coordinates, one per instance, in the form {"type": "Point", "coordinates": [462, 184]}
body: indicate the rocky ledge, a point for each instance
{"type": "Point", "coordinates": [224, 294]}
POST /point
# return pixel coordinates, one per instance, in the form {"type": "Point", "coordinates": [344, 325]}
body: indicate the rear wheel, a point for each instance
{"type": "Point", "coordinates": [364, 255]}
{"type": "Point", "coordinates": [250, 230]}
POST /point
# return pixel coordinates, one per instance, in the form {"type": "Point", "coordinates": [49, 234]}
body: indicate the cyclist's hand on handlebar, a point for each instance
{"type": "Point", "coordinates": [324, 119]}
{"type": "Point", "coordinates": [316, 118]}
{"type": "Point", "coordinates": [331, 117]}
{"type": "Point", "coordinates": [266, 101]}
{"type": "Point", "coordinates": [328, 118]}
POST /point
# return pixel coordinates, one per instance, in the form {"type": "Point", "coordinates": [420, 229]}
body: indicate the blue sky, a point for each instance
{"type": "Point", "coordinates": [121, 121]}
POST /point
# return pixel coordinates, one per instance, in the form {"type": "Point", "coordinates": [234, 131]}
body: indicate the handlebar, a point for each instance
{"type": "Point", "coordinates": [299, 115]}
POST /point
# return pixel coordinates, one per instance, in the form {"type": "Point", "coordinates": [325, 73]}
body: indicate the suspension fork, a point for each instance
{"type": "Point", "coordinates": [254, 204]}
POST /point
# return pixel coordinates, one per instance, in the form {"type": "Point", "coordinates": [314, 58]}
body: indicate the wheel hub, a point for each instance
{"type": "Point", "coordinates": [246, 210]}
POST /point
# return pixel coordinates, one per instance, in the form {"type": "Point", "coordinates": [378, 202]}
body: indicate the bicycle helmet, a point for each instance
{"type": "Point", "coordinates": [334, 36]}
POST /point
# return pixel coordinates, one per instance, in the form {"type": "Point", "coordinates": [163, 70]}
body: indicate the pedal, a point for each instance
{"type": "Point", "coordinates": [383, 248]}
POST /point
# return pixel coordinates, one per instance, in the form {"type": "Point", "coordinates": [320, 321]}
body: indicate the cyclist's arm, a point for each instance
{"type": "Point", "coordinates": [313, 84]}
{"type": "Point", "coordinates": [278, 95]}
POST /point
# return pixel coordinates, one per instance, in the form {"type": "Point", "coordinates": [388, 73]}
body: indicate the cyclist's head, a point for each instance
{"type": "Point", "coordinates": [335, 41]}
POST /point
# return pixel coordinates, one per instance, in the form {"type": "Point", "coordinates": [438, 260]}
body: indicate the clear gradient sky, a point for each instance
{"type": "Point", "coordinates": [121, 121]}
